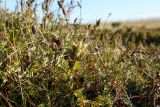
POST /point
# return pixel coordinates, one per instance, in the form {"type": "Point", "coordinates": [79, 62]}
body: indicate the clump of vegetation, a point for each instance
{"type": "Point", "coordinates": [116, 24]}
{"type": "Point", "coordinates": [52, 63]}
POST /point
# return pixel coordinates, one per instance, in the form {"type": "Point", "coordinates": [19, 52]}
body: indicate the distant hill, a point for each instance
{"type": "Point", "coordinates": [148, 23]}
{"type": "Point", "coordinates": [142, 23]}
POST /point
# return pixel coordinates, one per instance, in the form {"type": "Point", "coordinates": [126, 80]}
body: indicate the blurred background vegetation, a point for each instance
{"type": "Point", "coordinates": [56, 63]}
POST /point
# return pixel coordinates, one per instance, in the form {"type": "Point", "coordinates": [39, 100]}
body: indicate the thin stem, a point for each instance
{"type": "Point", "coordinates": [6, 99]}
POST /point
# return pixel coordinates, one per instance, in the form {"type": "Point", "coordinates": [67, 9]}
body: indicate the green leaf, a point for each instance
{"type": "Point", "coordinates": [42, 105]}
{"type": "Point", "coordinates": [76, 65]}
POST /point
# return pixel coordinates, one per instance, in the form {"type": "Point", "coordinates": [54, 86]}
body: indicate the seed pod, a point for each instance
{"type": "Point", "coordinates": [54, 47]}
{"type": "Point", "coordinates": [64, 11]}
{"type": "Point", "coordinates": [50, 16]}
{"type": "Point", "coordinates": [91, 66]}
{"type": "Point", "coordinates": [45, 6]}
{"type": "Point", "coordinates": [57, 43]}
{"type": "Point", "coordinates": [60, 4]}
{"type": "Point", "coordinates": [34, 9]}
{"type": "Point", "coordinates": [34, 29]}
{"type": "Point", "coordinates": [74, 46]}
{"type": "Point", "coordinates": [89, 26]}
{"type": "Point", "coordinates": [98, 22]}
{"type": "Point", "coordinates": [79, 5]}
{"type": "Point", "coordinates": [22, 3]}
{"type": "Point", "coordinates": [60, 44]}
{"type": "Point", "coordinates": [71, 3]}
{"type": "Point", "coordinates": [71, 63]}
{"type": "Point", "coordinates": [30, 2]}
{"type": "Point", "coordinates": [54, 38]}
{"type": "Point", "coordinates": [75, 20]}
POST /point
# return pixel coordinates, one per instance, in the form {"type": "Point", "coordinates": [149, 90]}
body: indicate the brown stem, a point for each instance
{"type": "Point", "coordinates": [6, 99]}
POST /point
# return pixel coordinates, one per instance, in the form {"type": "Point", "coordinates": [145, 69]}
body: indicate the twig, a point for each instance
{"type": "Point", "coordinates": [6, 99]}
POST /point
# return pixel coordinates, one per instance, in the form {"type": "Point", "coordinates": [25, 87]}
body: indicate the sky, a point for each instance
{"type": "Point", "coordinates": [120, 9]}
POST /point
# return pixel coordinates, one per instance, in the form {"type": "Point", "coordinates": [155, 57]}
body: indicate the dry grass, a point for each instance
{"type": "Point", "coordinates": [56, 64]}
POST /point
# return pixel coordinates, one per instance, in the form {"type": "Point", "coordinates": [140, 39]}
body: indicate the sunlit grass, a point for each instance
{"type": "Point", "coordinates": [54, 63]}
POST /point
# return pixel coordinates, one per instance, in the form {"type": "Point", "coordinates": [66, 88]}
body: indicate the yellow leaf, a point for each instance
{"type": "Point", "coordinates": [79, 48]}
{"type": "Point", "coordinates": [78, 52]}
{"type": "Point", "coordinates": [69, 72]}
{"type": "Point", "coordinates": [76, 65]}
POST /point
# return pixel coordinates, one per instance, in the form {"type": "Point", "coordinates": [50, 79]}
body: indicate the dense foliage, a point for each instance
{"type": "Point", "coordinates": [52, 63]}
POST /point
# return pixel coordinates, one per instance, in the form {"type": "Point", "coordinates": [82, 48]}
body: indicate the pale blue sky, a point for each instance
{"type": "Point", "coordinates": [120, 9]}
